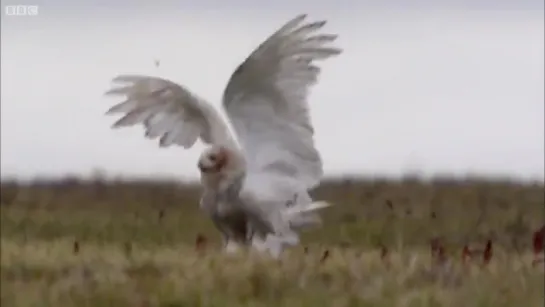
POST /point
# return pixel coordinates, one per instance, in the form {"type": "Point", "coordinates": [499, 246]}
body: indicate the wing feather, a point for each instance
{"type": "Point", "coordinates": [167, 111]}
{"type": "Point", "coordinates": [266, 100]}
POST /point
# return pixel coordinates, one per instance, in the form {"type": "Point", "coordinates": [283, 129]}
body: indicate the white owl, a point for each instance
{"type": "Point", "coordinates": [256, 191]}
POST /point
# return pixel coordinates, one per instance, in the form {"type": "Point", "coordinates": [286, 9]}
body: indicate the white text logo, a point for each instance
{"type": "Point", "coordinates": [21, 10]}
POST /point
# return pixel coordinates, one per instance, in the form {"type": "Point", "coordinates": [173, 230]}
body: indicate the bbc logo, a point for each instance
{"type": "Point", "coordinates": [21, 10]}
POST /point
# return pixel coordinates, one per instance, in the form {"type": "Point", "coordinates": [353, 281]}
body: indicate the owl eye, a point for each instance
{"type": "Point", "coordinates": [212, 158]}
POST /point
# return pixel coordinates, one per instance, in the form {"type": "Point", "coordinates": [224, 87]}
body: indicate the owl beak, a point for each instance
{"type": "Point", "coordinates": [217, 167]}
{"type": "Point", "coordinates": [204, 169]}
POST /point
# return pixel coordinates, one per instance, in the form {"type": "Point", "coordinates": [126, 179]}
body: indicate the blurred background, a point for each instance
{"type": "Point", "coordinates": [430, 87]}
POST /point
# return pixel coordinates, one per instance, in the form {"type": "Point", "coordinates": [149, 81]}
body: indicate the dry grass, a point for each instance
{"type": "Point", "coordinates": [96, 243]}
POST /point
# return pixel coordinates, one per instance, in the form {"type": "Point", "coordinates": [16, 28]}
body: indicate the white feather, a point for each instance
{"type": "Point", "coordinates": [300, 209]}
{"type": "Point", "coordinates": [168, 111]}
{"type": "Point", "coordinates": [265, 100]}
{"type": "Point", "coordinates": [266, 103]}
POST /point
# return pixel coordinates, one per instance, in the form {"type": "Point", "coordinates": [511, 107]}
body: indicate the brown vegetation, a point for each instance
{"type": "Point", "coordinates": [74, 242]}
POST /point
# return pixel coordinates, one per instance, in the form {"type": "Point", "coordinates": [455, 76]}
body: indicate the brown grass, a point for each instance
{"type": "Point", "coordinates": [386, 243]}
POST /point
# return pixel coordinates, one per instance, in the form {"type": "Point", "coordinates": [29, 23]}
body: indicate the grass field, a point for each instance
{"type": "Point", "coordinates": [97, 243]}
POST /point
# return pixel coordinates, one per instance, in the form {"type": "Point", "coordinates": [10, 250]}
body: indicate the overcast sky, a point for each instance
{"type": "Point", "coordinates": [427, 86]}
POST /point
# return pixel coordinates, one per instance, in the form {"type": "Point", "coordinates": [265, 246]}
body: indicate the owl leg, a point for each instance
{"type": "Point", "coordinates": [232, 247]}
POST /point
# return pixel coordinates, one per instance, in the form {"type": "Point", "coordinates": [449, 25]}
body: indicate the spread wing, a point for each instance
{"type": "Point", "coordinates": [168, 111]}
{"type": "Point", "coordinates": [266, 101]}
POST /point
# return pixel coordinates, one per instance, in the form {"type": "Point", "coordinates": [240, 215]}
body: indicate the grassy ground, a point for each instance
{"type": "Point", "coordinates": [96, 243]}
